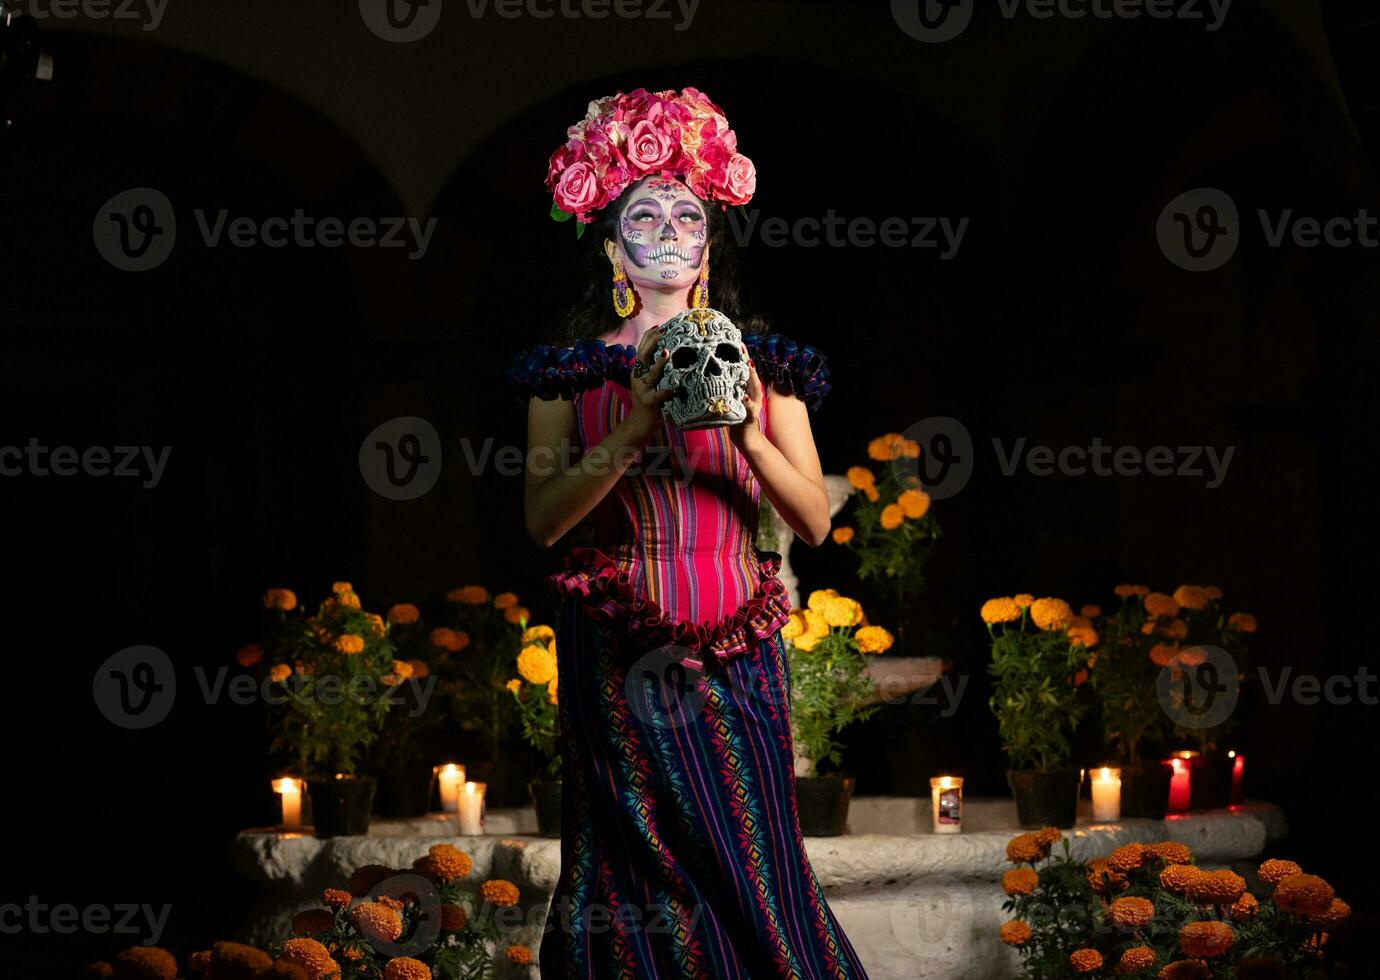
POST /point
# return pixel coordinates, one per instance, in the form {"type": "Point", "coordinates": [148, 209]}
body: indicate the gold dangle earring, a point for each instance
{"type": "Point", "coordinates": [700, 297]}
{"type": "Point", "coordinates": [623, 298]}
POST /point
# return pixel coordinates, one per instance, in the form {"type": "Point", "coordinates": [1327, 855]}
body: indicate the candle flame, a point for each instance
{"type": "Point", "coordinates": [287, 785]}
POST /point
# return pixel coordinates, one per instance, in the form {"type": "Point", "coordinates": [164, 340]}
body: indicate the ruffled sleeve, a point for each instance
{"type": "Point", "coordinates": [548, 371]}
{"type": "Point", "coordinates": [791, 368]}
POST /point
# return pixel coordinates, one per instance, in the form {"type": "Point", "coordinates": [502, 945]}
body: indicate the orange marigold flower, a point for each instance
{"type": "Point", "coordinates": [389, 902]}
{"type": "Point", "coordinates": [101, 969]}
{"type": "Point", "coordinates": [449, 639]}
{"type": "Point", "coordinates": [1090, 611]}
{"type": "Point", "coordinates": [1020, 881]}
{"type": "Point", "coordinates": [1273, 871]}
{"type": "Point", "coordinates": [145, 963]}
{"type": "Point", "coordinates": [505, 600]}
{"type": "Point", "coordinates": [229, 961]}
{"type": "Point", "coordinates": [871, 493]}
{"type": "Point", "coordinates": [1126, 591]}
{"type": "Point", "coordinates": [1163, 654]}
{"type": "Point", "coordinates": [340, 588]}
{"type": "Point", "coordinates": [1170, 852]}
{"type": "Point", "coordinates": [403, 613]}
{"type": "Point", "coordinates": [1222, 887]}
{"type": "Point", "coordinates": [1191, 596]}
{"type": "Point", "coordinates": [367, 877]}
{"type": "Point", "coordinates": [376, 922]}
{"type": "Point", "coordinates": [1025, 849]}
{"type": "Point", "coordinates": [1186, 970]}
{"type": "Point", "coordinates": [873, 639]}
{"type": "Point", "coordinates": [419, 668]}
{"type": "Point", "coordinates": [1304, 895]}
{"type": "Point", "coordinates": [1161, 606]}
{"type": "Point", "coordinates": [1131, 912]}
{"type": "Point", "coordinates": [499, 893]}
{"type": "Point", "coordinates": [403, 668]}
{"type": "Point", "coordinates": [453, 918]}
{"type": "Point", "coordinates": [349, 643]}
{"type": "Point", "coordinates": [1127, 857]}
{"type": "Point", "coordinates": [470, 595]}
{"type": "Point", "coordinates": [1135, 959]}
{"type": "Point", "coordinates": [283, 600]}
{"type": "Point", "coordinates": [907, 449]}
{"type": "Point", "coordinates": [842, 535]}
{"type": "Point", "coordinates": [1192, 656]}
{"type": "Point", "coordinates": [1048, 836]}
{"type": "Point", "coordinates": [1103, 879]}
{"type": "Point", "coordinates": [1335, 913]}
{"type": "Point", "coordinates": [1175, 629]}
{"type": "Point", "coordinates": [1179, 877]}
{"type": "Point", "coordinates": [447, 862]}
{"type": "Point", "coordinates": [1085, 960]}
{"type": "Point", "coordinates": [1023, 599]}
{"type": "Point", "coordinates": [1241, 622]}
{"type": "Point", "coordinates": [1082, 636]}
{"type": "Point", "coordinates": [520, 955]}
{"type": "Point", "coordinates": [376, 624]}
{"type": "Point", "coordinates": [1245, 907]}
{"type": "Point", "coordinates": [336, 898]}
{"type": "Point", "coordinates": [313, 958]}
{"type": "Point", "coordinates": [1050, 613]}
{"type": "Point", "coordinates": [350, 599]}
{"type": "Point", "coordinates": [882, 447]}
{"type": "Point", "coordinates": [892, 516]}
{"type": "Point", "coordinates": [249, 654]}
{"type": "Point", "coordinates": [860, 477]}
{"type": "Point", "coordinates": [406, 968]}
{"type": "Point", "coordinates": [311, 921]}
{"type": "Point", "coordinates": [518, 615]}
{"type": "Point", "coordinates": [999, 610]}
{"type": "Point", "coordinates": [1204, 940]}
{"type": "Point", "coordinates": [279, 673]}
{"type": "Point", "coordinates": [1015, 932]}
{"type": "Point", "coordinates": [915, 503]}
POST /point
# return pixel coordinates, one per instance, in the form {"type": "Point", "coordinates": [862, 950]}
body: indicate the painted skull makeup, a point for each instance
{"type": "Point", "coordinates": [707, 369]}
{"type": "Point", "coordinates": [663, 232]}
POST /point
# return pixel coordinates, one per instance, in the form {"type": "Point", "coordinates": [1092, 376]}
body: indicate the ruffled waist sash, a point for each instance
{"type": "Point", "coordinates": [605, 589]}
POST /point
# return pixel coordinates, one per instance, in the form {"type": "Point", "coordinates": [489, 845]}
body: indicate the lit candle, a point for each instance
{"type": "Point", "coordinates": [946, 804]}
{"type": "Point", "coordinates": [1238, 770]}
{"type": "Point", "coordinates": [451, 778]}
{"type": "Point", "coordinates": [291, 791]}
{"type": "Point", "coordinates": [469, 809]}
{"type": "Point", "coordinates": [1106, 795]}
{"type": "Point", "coordinates": [1179, 783]}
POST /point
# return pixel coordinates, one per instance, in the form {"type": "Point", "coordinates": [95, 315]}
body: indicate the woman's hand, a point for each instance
{"type": "Point", "coordinates": [645, 413]}
{"type": "Point", "coordinates": [744, 432]}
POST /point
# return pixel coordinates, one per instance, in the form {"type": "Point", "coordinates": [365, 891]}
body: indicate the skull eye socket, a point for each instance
{"type": "Point", "coordinates": [728, 352]}
{"type": "Point", "coordinates": [684, 357]}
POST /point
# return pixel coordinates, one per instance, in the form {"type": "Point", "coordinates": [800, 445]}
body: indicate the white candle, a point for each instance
{"type": "Point", "coordinates": [451, 778]}
{"type": "Point", "coordinates": [291, 791]}
{"type": "Point", "coordinates": [1106, 795]}
{"type": "Point", "coordinates": [946, 804]}
{"type": "Point", "coordinates": [469, 809]}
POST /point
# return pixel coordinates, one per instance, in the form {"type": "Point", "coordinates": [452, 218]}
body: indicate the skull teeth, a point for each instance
{"type": "Point", "coordinates": [668, 253]}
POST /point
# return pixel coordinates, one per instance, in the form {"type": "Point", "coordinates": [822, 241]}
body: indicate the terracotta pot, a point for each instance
{"type": "Point", "coordinates": [546, 797]}
{"type": "Point", "coordinates": [1046, 798]}
{"type": "Point", "coordinates": [340, 807]}
{"type": "Point", "coordinates": [823, 804]}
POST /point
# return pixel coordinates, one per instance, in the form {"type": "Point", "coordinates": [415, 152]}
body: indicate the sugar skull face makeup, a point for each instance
{"type": "Point", "coordinates": [662, 235]}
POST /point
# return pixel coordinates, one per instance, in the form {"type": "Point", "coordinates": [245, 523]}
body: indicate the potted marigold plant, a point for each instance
{"type": "Point", "coordinates": [534, 690]}
{"type": "Point", "coordinates": [335, 672]}
{"type": "Point", "coordinates": [892, 530]}
{"type": "Point", "coordinates": [1039, 658]}
{"type": "Point", "coordinates": [1148, 910]}
{"type": "Point", "coordinates": [828, 644]}
{"type": "Point", "coordinates": [489, 628]}
{"type": "Point", "coordinates": [1132, 718]}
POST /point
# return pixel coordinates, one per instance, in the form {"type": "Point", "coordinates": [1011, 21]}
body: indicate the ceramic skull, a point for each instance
{"type": "Point", "coordinates": [707, 369]}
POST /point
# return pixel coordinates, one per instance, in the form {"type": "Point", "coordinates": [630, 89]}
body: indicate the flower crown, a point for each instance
{"type": "Point", "coordinates": [626, 137]}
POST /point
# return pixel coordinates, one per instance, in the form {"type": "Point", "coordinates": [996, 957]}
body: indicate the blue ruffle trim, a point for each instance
{"type": "Point", "coordinates": [549, 372]}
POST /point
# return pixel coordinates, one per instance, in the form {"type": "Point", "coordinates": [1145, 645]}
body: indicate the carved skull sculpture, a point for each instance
{"type": "Point", "coordinates": [707, 369]}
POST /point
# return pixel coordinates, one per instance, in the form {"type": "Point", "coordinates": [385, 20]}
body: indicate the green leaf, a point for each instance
{"type": "Point", "coordinates": [558, 215]}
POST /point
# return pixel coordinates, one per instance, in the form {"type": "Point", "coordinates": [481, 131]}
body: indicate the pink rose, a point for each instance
{"type": "Point", "coordinates": [739, 181]}
{"type": "Point", "coordinates": [649, 146]}
{"type": "Point", "coordinates": [577, 191]}
{"type": "Point", "coordinates": [569, 153]}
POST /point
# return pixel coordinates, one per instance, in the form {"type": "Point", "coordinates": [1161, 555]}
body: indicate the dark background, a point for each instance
{"type": "Point", "coordinates": [1059, 320]}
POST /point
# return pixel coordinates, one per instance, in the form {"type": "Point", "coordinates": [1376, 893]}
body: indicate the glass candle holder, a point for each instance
{"type": "Point", "coordinates": [1106, 795]}
{"type": "Point", "coordinates": [946, 804]}
{"type": "Point", "coordinates": [290, 789]}
{"type": "Point", "coordinates": [469, 809]}
{"type": "Point", "coordinates": [450, 778]}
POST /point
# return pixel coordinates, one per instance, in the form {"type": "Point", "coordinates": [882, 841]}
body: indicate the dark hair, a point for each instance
{"type": "Point", "coordinates": [593, 314]}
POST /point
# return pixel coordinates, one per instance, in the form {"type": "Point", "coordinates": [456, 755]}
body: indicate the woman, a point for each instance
{"type": "Point", "coordinates": [681, 847]}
